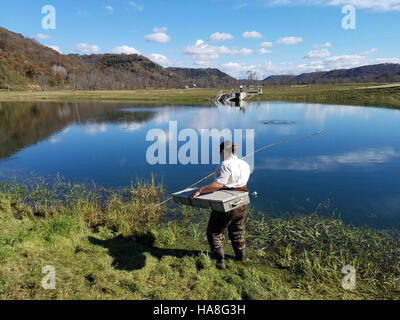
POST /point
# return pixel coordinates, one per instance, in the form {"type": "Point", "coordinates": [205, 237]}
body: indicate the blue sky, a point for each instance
{"type": "Point", "coordinates": [266, 36]}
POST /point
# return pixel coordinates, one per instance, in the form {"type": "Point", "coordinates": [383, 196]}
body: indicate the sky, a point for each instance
{"type": "Point", "coordinates": [263, 36]}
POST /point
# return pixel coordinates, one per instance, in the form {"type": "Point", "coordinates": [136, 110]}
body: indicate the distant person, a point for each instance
{"type": "Point", "coordinates": [232, 174]}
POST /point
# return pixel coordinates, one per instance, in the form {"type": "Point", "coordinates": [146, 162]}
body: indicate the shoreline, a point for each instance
{"type": "Point", "coordinates": [120, 245]}
{"type": "Point", "coordinates": [347, 94]}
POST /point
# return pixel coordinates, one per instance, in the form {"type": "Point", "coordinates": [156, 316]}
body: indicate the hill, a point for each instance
{"type": "Point", "coordinates": [381, 73]}
{"type": "Point", "coordinates": [209, 77]}
{"type": "Point", "coordinates": [24, 63]}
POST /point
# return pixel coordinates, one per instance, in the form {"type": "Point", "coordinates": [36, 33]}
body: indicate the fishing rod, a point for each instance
{"type": "Point", "coordinates": [249, 155]}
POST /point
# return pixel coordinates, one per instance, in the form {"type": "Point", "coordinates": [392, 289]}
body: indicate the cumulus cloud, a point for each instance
{"type": "Point", "coordinates": [205, 54]}
{"type": "Point", "coordinates": [266, 44]}
{"type": "Point", "coordinates": [386, 60]}
{"type": "Point", "coordinates": [55, 48]}
{"type": "Point", "coordinates": [252, 35]}
{"type": "Point", "coordinates": [125, 50]}
{"type": "Point", "coordinates": [158, 37]}
{"type": "Point", "coordinates": [318, 54]}
{"type": "Point", "coordinates": [238, 70]}
{"type": "Point", "coordinates": [202, 53]}
{"type": "Point", "coordinates": [337, 62]}
{"type": "Point", "coordinates": [86, 48]}
{"type": "Point", "coordinates": [219, 37]}
{"type": "Point", "coordinates": [109, 9]}
{"type": "Point", "coordinates": [290, 40]}
{"type": "Point", "coordinates": [159, 59]}
{"type": "Point", "coordinates": [160, 30]}
{"type": "Point", "coordinates": [42, 36]}
{"type": "Point", "coordinates": [264, 51]}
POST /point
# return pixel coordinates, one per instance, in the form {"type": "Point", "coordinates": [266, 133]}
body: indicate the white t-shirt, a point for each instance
{"type": "Point", "coordinates": [233, 173]}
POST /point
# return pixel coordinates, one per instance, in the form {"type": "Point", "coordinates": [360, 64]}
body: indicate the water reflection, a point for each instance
{"type": "Point", "coordinates": [351, 170]}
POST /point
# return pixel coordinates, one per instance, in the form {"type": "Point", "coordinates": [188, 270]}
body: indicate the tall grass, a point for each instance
{"type": "Point", "coordinates": [317, 247]}
{"type": "Point", "coordinates": [110, 244]}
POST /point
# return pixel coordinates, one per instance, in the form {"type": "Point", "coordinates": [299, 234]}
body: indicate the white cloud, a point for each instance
{"type": "Point", "coordinates": [159, 59]}
{"type": "Point", "coordinates": [377, 5]}
{"type": "Point", "coordinates": [205, 54]}
{"type": "Point", "coordinates": [370, 51]}
{"type": "Point", "coordinates": [86, 48]}
{"type": "Point", "coordinates": [290, 40]}
{"type": "Point", "coordinates": [364, 157]}
{"type": "Point", "coordinates": [55, 48]}
{"type": "Point", "coordinates": [158, 37]}
{"type": "Point", "coordinates": [387, 60]}
{"type": "Point", "coordinates": [42, 36]}
{"type": "Point", "coordinates": [95, 128]}
{"type": "Point", "coordinates": [318, 54]}
{"type": "Point", "coordinates": [219, 37]}
{"type": "Point", "coordinates": [238, 70]}
{"type": "Point", "coordinates": [264, 51]}
{"type": "Point", "coordinates": [55, 140]}
{"type": "Point", "coordinates": [125, 50]}
{"type": "Point", "coordinates": [325, 45]}
{"type": "Point", "coordinates": [252, 35]}
{"type": "Point", "coordinates": [160, 30]}
{"type": "Point", "coordinates": [343, 62]}
{"type": "Point", "coordinates": [130, 126]}
{"type": "Point", "coordinates": [266, 44]}
{"type": "Point", "coordinates": [337, 62]}
{"type": "Point", "coordinates": [136, 6]}
{"type": "Point", "coordinates": [202, 53]}
{"type": "Point", "coordinates": [109, 9]}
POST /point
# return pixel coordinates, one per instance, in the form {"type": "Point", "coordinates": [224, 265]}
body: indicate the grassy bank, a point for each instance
{"type": "Point", "coordinates": [351, 94]}
{"type": "Point", "coordinates": [120, 245]}
{"type": "Point", "coordinates": [176, 96]}
{"type": "Point", "coordinates": [348, 94]}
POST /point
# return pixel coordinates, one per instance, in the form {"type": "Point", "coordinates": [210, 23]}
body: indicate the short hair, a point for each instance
{"type": "Point", "coordinates": [228, 147]}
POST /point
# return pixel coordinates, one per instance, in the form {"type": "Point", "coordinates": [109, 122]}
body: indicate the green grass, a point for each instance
{"type": "Point", "coordinates": [349, 94]}
{"type": "Point", "coordinates": [176, 96]}
{"type": "Point", "coordinates": [108, 244]}
{"type": "Point", "coordinates": [343, 94]}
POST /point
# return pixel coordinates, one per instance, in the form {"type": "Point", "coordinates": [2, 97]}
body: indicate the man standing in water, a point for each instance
{"type": "Point", "coordinates": [232, 174]}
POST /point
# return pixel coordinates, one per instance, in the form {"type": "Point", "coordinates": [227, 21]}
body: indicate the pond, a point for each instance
{"type": "Point", "coordinates": [351, 170]}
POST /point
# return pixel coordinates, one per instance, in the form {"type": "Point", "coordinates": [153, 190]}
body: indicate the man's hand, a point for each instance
{"type": "Point", "coordinates": [195, 195]}
{"type": "Point", "coordinates": [212, 187]}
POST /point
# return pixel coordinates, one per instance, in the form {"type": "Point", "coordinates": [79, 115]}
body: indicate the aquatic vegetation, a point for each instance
{"type": "Point", "coordinates": [119, 244]}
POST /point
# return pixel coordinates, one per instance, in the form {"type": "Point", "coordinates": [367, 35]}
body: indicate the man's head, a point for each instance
{"type": "Point", "coordinates": [227, 149]}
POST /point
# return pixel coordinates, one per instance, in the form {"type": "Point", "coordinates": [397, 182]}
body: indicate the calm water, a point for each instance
{"type": "Point", "coordinates": [352, 170]}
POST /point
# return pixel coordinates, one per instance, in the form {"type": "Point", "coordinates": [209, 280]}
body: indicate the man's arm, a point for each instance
{"type": "Point", "coordinates": [212, 187]}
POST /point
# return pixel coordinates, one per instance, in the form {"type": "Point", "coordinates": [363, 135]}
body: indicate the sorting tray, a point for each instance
{"type": "Point", "coordinates": [220, 201]}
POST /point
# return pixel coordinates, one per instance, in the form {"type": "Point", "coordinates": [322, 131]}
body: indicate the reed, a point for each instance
{"type": "Point", "coordinates": [118, 244]}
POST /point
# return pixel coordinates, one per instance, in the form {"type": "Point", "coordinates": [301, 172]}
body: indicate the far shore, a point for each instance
{"type": "Point", "coordinates": [373, 94]}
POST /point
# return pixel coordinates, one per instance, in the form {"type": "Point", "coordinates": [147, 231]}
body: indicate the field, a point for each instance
{"type": "Point", "coordinates": [108, 244]}
{"type": "Point", "coordinates": [348, 94]}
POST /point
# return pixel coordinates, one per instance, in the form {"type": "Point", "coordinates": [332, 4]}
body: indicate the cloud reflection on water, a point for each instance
{"type": "Point", "coordinates": [365, 157]}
